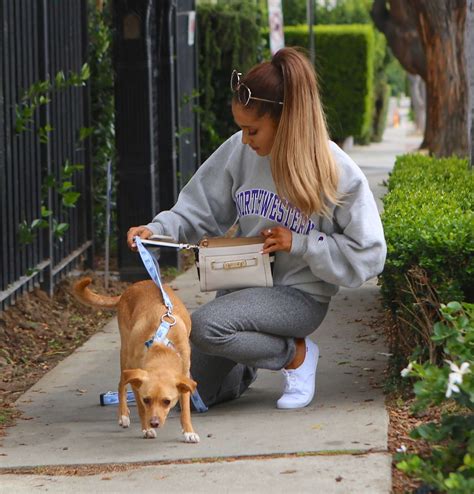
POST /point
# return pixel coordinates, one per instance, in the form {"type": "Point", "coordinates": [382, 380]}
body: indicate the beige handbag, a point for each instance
{"type": "Point", "coordinates": [229, 263]}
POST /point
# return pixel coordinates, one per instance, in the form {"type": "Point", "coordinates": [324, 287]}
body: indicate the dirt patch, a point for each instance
{"type": "Point", "coordinates": [38, 332]}
{"type": "Point", "coordinates": [402, 421]}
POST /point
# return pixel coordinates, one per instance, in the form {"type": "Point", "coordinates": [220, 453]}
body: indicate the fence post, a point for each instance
{"type": "Point", "coordinates": [48, 279]}
{"type": "Point", "coordinates": [3, 186]}
{"type": "Point", "coordinates": [89, 200]}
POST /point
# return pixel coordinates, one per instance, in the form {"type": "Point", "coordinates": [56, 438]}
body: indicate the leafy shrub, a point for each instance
{"type": "Point", "coordinates": [382, 98]}
{"type": "Point", "coordinates": [229, 38]}
{"type": "Point", "coordinates": [450, 466]}
{"type": "Point", "coordinates": [396, 75]}
{"type": "Point", "coordinates": [345, 65]}
{"type": "Point", "coordinates": [428, 221]}
{"type": "Point", "coordinates": [102, 117]}
{"type": "Point", "coordinates": [381, 93]}
{"type": "Point", "coordinates": [356, 12]}
{"type": "Point", "coordinates": [59, 184]}
{"type": "Point", "coordinates": [325, 12]}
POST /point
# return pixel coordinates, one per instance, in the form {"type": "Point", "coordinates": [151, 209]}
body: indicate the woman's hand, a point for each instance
{"type": "Point", "coordinates": [276, 238]}
{"type": "Point", "coordinates": [137, 231]}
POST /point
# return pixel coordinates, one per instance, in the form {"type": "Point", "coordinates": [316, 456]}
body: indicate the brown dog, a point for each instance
{"type": "Point", "coordinates": [159, 375]}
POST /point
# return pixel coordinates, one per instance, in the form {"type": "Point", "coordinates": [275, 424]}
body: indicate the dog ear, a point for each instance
{"type": "Point", "coordinates": [135, 377]}
{"type": "Point", "coordinates": [186, 385]}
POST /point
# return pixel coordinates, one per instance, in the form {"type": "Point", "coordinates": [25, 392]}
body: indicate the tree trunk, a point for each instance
{"type": "Point", "coordinates": [438, 55]}
{"type": "Point", "coordinates": [441, 25]}
{"type": "Point", "coordinates": [400, 28]}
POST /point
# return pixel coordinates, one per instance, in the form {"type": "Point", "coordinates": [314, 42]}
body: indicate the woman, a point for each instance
{"type": "Point", "coordinates": [279, 177]}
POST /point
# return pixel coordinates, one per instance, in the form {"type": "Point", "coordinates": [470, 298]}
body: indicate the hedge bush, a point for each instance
{"type": "Point", "coordinates": [382, 98]}
{"type": "Point", "coordinates": [229, 38]}
{"type": "Point", "coordinates": [349, 61]}
{"type": "Point", "coordinates": [328, 12]}
{"type": "Point", "coordinates": [429, 227]}
{"type": "Point", "coordinates": [382, 89]}
{"type": "Point", "coordinates": [345, 66]}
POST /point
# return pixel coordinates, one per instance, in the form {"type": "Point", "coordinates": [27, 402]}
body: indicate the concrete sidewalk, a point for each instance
{"type": "Point", "coordinates": [338, 444]}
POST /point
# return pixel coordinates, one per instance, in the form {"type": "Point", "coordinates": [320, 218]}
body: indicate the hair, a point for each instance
{"type": "Point", "coordinates": [303, 168]}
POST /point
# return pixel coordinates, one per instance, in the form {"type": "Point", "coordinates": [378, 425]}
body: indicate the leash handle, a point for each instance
{"type": "Point", "coordinates": [171, 244]}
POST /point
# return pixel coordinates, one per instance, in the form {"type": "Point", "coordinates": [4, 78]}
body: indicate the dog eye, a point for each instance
{"type": "Point", "coordinates": [146, 401]}
{"type": "Point", "coordinates": [166, 402]}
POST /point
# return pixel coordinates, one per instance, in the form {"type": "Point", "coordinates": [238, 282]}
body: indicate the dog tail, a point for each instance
{"type": "Point", "coordinates": [81, 291]}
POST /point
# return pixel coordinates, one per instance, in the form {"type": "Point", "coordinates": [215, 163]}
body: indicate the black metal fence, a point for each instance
{"type": "Point", "coordinates": [157, 125]}
{"type": "Point", "coordinates": [39, 39]}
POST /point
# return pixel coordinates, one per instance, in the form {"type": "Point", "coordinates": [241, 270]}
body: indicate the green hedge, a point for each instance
{"type": "Point", "coordinates": [345, 66]}
{"type": "Point", "coordinates": [382, 90]}
{"type": "Point", "coordinates": [429, 227]}
{"type": "Point", "coordinates": [228, 38]}
{"type": "Point", "coordinates": [347, 57]}
{"type": "Point", "coordinates": [382, 98]}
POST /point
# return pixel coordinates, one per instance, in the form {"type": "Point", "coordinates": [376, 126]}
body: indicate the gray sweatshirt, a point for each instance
{"type": "Point", "coordinates": [235, 185]}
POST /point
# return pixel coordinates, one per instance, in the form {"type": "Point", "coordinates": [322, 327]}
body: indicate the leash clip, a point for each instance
{"type": "Point", "coordinates": [170, 316]}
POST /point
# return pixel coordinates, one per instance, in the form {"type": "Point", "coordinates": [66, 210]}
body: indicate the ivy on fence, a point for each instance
{"type": "Point", "coordinates": [37, 95]}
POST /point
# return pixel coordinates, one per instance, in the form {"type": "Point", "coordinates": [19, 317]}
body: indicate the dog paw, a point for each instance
{"type": "Point", "coordinates": [124, 421]}
{"type": "Point", "coordinates": [149, 433]}
{"type": "Point", "coordinates": [191, 437]}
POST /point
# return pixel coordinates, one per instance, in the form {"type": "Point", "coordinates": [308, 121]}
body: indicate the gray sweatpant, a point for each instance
{"type": "Point", "coordinates": [245, 330]}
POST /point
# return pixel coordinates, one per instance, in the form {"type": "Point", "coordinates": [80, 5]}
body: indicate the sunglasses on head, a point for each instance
{"type": "Point", "coordinates": [244, 95]}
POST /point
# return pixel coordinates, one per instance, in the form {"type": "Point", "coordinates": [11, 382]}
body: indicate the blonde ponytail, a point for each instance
{"type": "Point", "coordinates": [303, 168]}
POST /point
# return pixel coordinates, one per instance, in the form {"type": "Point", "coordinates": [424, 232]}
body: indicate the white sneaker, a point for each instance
{"type": "Point", "coordinates": [301, 382]}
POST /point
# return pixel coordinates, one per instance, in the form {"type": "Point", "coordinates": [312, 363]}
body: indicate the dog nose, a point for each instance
{"type": "Point", "coordinates": [154, 422]}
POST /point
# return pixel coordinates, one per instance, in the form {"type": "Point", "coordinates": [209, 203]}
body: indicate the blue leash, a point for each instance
{"type": "Point", "coordinates": [153, 268]}
{"type": "Point", "coordinates": [151, 264]}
